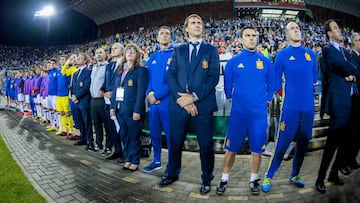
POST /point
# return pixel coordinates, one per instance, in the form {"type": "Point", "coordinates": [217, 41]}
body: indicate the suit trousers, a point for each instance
{"type": "Point", "coordinates": [179, 124]}
{"type": "Point", "coordinates": [99, 121]}
{"type": "Point", "coordinates": [84, 119]}
{"type": "Point", "coordinates": [112, 130]}
{"type": "Point", "coordinates": [130, 132]}
{"type": "Point", "coordinates": [338, 134]}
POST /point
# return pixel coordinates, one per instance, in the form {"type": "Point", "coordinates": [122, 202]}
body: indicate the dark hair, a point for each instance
{"type": "Point", "coordinates": [164, 27]}
{"type": "Point", "coordinates": [327, 26]}
{"type": "Point", "coordinates": [246, 27]}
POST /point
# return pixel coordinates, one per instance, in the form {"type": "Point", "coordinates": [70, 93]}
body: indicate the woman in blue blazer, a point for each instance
{"type": "Point", "coordinates": [128, 104]}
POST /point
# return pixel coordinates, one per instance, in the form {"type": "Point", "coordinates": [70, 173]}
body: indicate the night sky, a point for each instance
{"type": "Point", "coordinates": [18, 27]}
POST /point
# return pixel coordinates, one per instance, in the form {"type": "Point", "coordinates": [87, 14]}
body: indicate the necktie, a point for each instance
{"type": "Point", "coordinates": [79, 74]}
{"type": "Point", "coordinates": [125, 70]}
{"type": "Point", "coordinates": [192, 65]}
{"type": "Point", "coordinates": [113, 66]}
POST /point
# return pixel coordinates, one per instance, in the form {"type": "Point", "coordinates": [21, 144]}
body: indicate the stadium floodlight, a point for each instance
{"type": "Point", "coordinates": [45, 12]}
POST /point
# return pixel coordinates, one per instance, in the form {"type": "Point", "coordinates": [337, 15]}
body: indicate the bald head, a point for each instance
{"type": "Point", "coordinates": [116, 50]}
{"type": "Point", "coordinates": [355, 41]}
{"type": "Point", "coordinates": [100, 55]}
{"type": "Point", "coordinates": [293, 34]}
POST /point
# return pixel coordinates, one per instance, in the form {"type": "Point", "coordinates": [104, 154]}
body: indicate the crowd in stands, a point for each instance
{"type": "Point", "coordinates": [224, 34]}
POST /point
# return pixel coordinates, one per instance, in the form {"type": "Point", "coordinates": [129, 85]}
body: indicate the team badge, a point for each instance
{"type": "Point", "coordinates": [169, 61]}
{"type": "Point", "coordinates": [130, 83]}
{"type": "Point", "coordinates": [282, 126]}
{"type": "Point", "coordinates": [205, 64]}
{"type": "Point", "coordinates": [54, 74]}
{"type": "Point", "coordinates": [307, 57]}
{"type": "Point", "coordinates": [241, 65]}
{"type": "Point", "coordinates": [227, 143]}
{"type": "Point", "coordinates": [259, 64]}
{"type": "Point", "coordinates": [153, 62]}
{"type": "Point", "coordinates": [292, 58]}
{"type": "Point", "coordinates": [81, 84]}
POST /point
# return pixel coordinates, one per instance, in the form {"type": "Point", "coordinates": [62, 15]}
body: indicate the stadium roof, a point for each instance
{"type": "Point", "coordinates": [351, 7]}
{"type": "Point", "coordinates": [105, 11]}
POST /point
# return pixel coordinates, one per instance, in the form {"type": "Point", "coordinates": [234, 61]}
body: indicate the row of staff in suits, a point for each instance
{"type": "Point", "coordinates": [341, 70]}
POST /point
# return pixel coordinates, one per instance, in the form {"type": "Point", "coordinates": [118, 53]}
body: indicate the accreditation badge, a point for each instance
{"type": "Point", "coordinates": [81, 84]}
{"type": "Point", "coordinates": [130, 83]}
{"type": "Point", "coordinates": [307, 57]}
{"type": "Point", "coordinates": [259, 64]}
{"type": "Point", "coordinates": [120, 94]}
{"type": "Point", "coordinates": [168, 61]}
{"type": "Point", "coordinates": [205, 64]}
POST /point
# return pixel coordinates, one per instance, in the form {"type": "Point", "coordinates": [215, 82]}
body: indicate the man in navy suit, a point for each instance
{"type": "Point", "coordinates": [341, 75]}
{"type": "Point", "coordinates": [355, 140]}
{"type": "Point", "coordinates": [192, 76]}
{"type": "Point", "coordinates": [81, 98]}
{"type": "Point", "coordinates": [111, 73]}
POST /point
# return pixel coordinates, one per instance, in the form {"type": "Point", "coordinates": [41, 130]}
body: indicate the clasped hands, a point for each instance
{"type": "Point", "coordinates": [186, 101]}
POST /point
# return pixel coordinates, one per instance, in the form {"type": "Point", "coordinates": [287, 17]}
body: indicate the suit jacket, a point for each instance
{"type": "Point", "coordinates": [80, 87]}
{"type": "Point", "coordinates": [338, 66]}
{"type": "Point", "coordinates": [134, 84]}
{"type": "Point", "coordinates": [110, 77]}
{"type": "Point", "coordinates": [205, 77]}
{"type": "Point", "coordinates": [356, 60]}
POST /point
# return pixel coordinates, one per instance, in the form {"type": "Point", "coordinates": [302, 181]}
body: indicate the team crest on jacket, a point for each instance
{"type": "Point", "coordinates": [205, 64]}
{"type": "Point", "coordinates": [169, 61]}
{"type": "Point", "coordinates": [282, 126]}
{"type": "Point", "coordinates": [307, 57]}
{"type": "Point", "coordinates": [81, 84]}
{"type": "Point", "coordinates": [241, 65]}
{"type": "Point", "coordinates": [153, 62]}
{"type": "Point", "coordinates": [259, 64]}
{"type": "Point", "coordinates": [292, 58]}
{"type": "Point", "coordinates": [130, 83]}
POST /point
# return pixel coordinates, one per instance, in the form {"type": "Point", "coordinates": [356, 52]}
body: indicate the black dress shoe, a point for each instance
{"type": "Point", "coordinates": [90, 147]}
{"type": "Point", "coordinates": [165, 181]}
{"type": "Point", "coordinates": [336, 180]}
{"type": "Point", "coordinates": [79, 143]}
{"type": "Point", "coordinates": [121, 160]}
{"type": "Point", "coordinates": [320, 187]}
{"type": "Point", "coordinates": [354, 165]}
{"type": "Point", "coordinates": [205, 188]}
{"type": "Point", "coordinates": [113, 157]}
{"type": "Point", "coordinates": [345, 171]}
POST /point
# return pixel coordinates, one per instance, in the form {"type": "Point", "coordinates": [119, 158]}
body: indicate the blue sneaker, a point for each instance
{"type": "Point", "coordinates": [297, 180]}
{"type": "Point", "coordinates": [266, 185]}
{"type": "Point", "coordinates": [152, 167]}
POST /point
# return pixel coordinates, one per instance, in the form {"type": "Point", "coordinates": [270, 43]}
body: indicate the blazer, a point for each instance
{"type": "Point", "coordinates": [110, 77]}
{"type": "Point", "coordinates": [80, 87]}
{"type": "Point", "coordinates": [134, 84]}
{"type": "Point", "coordinates": [338, 66]}
{"type": "Point", "coordinates": [204, 80]}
